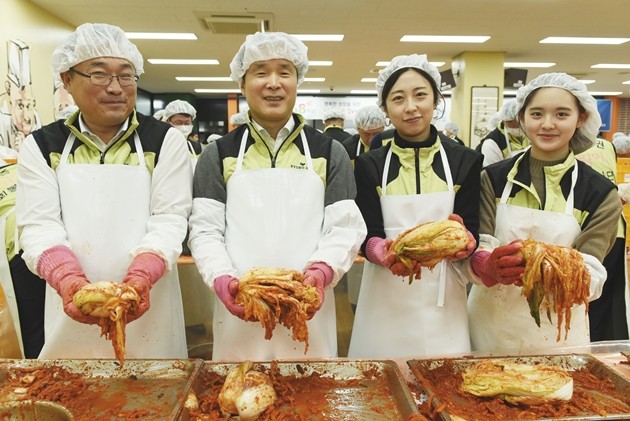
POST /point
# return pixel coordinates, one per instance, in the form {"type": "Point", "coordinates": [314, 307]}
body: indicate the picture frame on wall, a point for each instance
{"type": "Point", "coordinates": [484, 103]}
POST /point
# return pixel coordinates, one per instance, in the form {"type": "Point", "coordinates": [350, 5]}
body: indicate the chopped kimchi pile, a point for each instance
{"type": "Point", "coordinates": [555, 279]}
{"type": "Point", "coordinates": [277, 295]}
{"type": "Point", "coordinates": [110, 301]}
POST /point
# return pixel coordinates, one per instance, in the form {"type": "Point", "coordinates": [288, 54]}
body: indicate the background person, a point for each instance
{"type": "Point", "coordinates": [452, 130]}
{"type": "Point", "coordinates": [369, 120]}
{"type": "Point", "coordinates": [334, 118]}
{"type": "Point", "coordinates": [507, 139]}
{"type": "Point", "coordinates": [105, 195]}
{"type": "Point", "coordinates": [292, 208]}
{"type": "Point", "coordinates": [546, 195]}
{"type": "Point", "coordinates": [413, 178]}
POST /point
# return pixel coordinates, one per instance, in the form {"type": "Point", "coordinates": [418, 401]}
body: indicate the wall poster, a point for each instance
{"type": "Point", "coordinates": [484, 103]}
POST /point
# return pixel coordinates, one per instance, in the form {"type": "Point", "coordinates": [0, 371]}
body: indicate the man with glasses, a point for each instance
{"type": "Point", "coordinates": [105, 196]}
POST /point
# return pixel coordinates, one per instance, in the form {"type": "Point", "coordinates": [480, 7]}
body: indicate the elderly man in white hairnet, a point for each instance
{"type": "Point", "coordinates": [181, 115]}
{"type": "Point", "coordinates": [273, 193]}
{"type": "Point", "coordinates": [105, 196]}
{"type": "Point", "coordinates": [451, 130]}
{"type": "Point", "coordinates": [238, 118]}
{"type": "Point", "coordinates": [334, 119]}
{"type": "Point", "coordinates": [369, 120]}
{"type": "Point", "coordinates": [507, 139]}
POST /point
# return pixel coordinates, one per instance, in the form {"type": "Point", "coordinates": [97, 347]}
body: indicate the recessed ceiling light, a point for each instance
{"type": "Point", "coordinates": [203, 79]}
{"type": "Point", "coordinates": [386, 63]}
{"type": "Point", "coordinates": [526, 64]}
{"type": "Point", "coordinates": [369, 79]}
{"type": "Point", "coordinates": [363, 91]}
{"type": "Point", "coordinates": [318, 37]}
{"type": "Point", "coordinates": [320, 63]}
{"type": "Point", "coordinates": [605, 93]}
{"type": "Point", "coordinates": [445, 38]}
{"type": "Point", "coordinates": [583, 40]}
{"type": "Point", "coordinates": [314, 79]}
{"type": "Point", "coordinates": [610, 66]}
{"type": "Point", "coordinates": [161, 35]}
{"type": "Point", "coordinates": [181, 61]}
{"type": "Point", "coordinates": [218, 91]}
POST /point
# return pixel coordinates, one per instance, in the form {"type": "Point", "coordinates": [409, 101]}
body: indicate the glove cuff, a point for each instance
{"type": "Point", "coordinates": [223, 280]}
{"type": "Point", "coordinates": [56, 263]}
{"type": "Point", "coordinates": [325, 272]}
{"type": "Point", "coordinates": [374, 249]}
{"type": "Point", "coordinates": [149, 266]}
{"type": "Point", "coordinates": [478, 263]}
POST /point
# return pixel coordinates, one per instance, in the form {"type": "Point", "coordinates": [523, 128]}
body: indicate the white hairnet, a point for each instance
{"type": "Point", "coordinates": [239, 118]}
{"type": "Point", "coordinates": [618, 134]}
{"type": "Point", "coordinates": [263, 46]}
{"type": "Point", "coordinates": [622, 144]}
{"type": "Point", "coordinates": [509, 110]}
{"type": "Point", "coordinates": [493, 121]}
{"type": "Point", "coordinates": [584, 136]}
{"type": "Point", "coordinates": [67, 112]}
{"type": "Point", "coordinates": [416, 61]}
{"type": "Point", "coordinates": [451, 127]}
{"type": "Point", "coordinates": [92, 40]}
{"type": "Point", "coordinates": [179, 107]}
{"type": "Point", "coordinates": [213, 138]}
{"type": "Point", "coordinates": [333, 112]}
{"type": "Point", "coordinates": [369, 117]}
{"type": "Point", "coordinates": [159, 115]}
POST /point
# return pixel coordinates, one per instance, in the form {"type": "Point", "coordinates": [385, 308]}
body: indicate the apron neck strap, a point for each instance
{"type": "Point", "coordinates": [447, 170]}
{"type": "Point", "coordinates": [70, 141]}
{"type": "Point", "coordinates": [241, 151]}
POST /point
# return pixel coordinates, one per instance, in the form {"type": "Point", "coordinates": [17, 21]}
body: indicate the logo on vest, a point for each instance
{"type": "Point", "coordinates": [300, 166]}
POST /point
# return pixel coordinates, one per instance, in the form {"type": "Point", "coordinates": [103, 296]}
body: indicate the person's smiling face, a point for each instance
{"type": "Point", "coordinates": [410, 104]}
{"type": "Point", "coordinates": [550, 119]}
{"type": "Point", "coordinates": [270, 88]}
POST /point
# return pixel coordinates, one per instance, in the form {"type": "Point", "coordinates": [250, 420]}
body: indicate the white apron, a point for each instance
{"type": "Point", "coordinates": [274, 217]}
{"type": "Point", "coordinates": [193, 156]}
{"type": "Point", "coordinates": [500, 319]}
{"type": "Point", "coordinates": [9, 295]}
{"type": "Point", "coordinates": [105, 209]}
{"type": "Point", "coordinates": [394, 319]}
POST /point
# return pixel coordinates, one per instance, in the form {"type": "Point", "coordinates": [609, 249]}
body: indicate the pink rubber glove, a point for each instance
{"type": "Point", "coordinates": [377, 251]}
{"type": "Point", "coordinates": [144, 271]}
{"type": "Point", "coordinates": [472, 243]}
{"type": "Point", "coordinates": [60, 268]}
{"type": "Point", "coordinates": [318, 275]}
{"type": "Point", "coordinates": [502, 266]}
{"type": "Point", "coordinates": [226, 287]}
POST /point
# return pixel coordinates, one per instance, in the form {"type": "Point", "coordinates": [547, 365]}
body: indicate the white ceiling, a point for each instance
{"type": "Point", "coordinates": [372, 30]}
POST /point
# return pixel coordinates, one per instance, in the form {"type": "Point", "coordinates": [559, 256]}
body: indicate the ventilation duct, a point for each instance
{"type": "Point", "coordinates": [243, 23]}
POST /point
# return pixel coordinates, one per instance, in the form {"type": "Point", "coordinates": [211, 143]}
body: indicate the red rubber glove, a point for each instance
{"type": "Point", "coordinates": [61, 269]}
{"type": "Point", "coordinates": [472, 243]}
{"type": "Point", "coordinates": [318, 275]}
{"type": "Point", "coordinates": [144, 271]}
{"type": "Point", "coordinates": [502, 266]}
{"type": "Point", "coordinates": [226, 287]}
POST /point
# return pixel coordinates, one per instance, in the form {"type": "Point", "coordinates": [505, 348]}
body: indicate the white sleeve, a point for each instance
{"type": "Point", "coordinates": [464, 267]}
{"type": "Point", "coordinates": [598, 275]}
{"type": "Point", "coordinates": [171, 200]}
{"type": "Point", "coordinates": [207, 242]}
{"type": "Point", "coordinates": [491, 152]}
{"type": "Point", "coordinates": [38, 209]}
{"type": "Point", "coordinates": [343, 232]}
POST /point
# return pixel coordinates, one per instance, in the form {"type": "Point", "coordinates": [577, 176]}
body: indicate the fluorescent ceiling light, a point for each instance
{"type": "Point", "coordinates": [445, 38]}
{"type": "Point", "coordinates": [386, 63]}
{"type": "Point", "coordinates": [181, 61]}
{"type": "Point", "coordinates": [369, 79]}
{"type": "Point", "coordinates": [320, 63]}
{"type": "Point", "coordinates": [610, 66]}
{"type": "Point", "coordinates": [314, 79]}
{"type": "Point", "coordinates": [583, 40]}
{"type": "Point", "coordinates": [218, 91]}
{"type": "Point", "coordinates": [627, 82]}
{"type": "Point", "coordinates": [308, 91]}
{"type": "Point", "coordinates": [363, 91]}
{"type": "Point", "coordinates": [587, 81]}
{"type": "Point", "coordinates": [203, 79]}
{"type": "Point", "coordinates": [509, 92]}
{"type": "Point", "coordinates": [526, 64]}
{"type": "Point", "coordinates": [161, 35]}
{"type": "Point", "coordinates": [605, 93]}
{"type": "Point", "coordinates": [318, 37]}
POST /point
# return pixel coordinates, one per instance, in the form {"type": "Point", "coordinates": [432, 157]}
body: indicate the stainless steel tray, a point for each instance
{"type": "Point", "coordinates": [100, 390]}
{"type": "Point", "coordinates": [456, 405]}
{"type": "Point", "coordinates": [365, 390]}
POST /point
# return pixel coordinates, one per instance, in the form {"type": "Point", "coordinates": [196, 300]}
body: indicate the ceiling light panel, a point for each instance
{"type": "Point", "coordinates": [446, 38]}
{"type": "Point", "coordinates": [182, 61]}
{"type": "Point", "coordinates": [161, 35]}
{"type": "Point", "coordinates": [583, 40]}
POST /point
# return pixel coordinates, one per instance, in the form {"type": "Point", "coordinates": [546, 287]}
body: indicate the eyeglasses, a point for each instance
{"type": "Point", "coordinates": [105, 79]}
